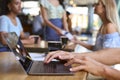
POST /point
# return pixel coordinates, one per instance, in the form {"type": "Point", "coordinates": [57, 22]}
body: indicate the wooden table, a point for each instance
{"type": "Point", "coordinates": [39, 47]}
{"type": "Point", "coordinates": [10, 69]}
{"type": "Point", "coordinates": [43, 47]}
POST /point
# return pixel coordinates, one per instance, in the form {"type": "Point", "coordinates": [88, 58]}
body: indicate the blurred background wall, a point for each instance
{"type": "Point", "coordinates": [84, 21]}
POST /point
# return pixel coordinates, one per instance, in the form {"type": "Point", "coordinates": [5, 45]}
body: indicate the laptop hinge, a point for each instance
{"type": "Point", "coordinates": [27, 64]}
{"type": "Point", "coordinates": [29, 67]}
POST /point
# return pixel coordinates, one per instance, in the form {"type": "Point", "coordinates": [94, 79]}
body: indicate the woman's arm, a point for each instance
{"type": "Point", "coordinates": [111, 74]}
{"type": "Point", "coordinates": [2, 39]}
{"type": "Point", "coordinates": [25, 39]}
{"type": "Point", "coordinates": [88, 46]}
{"type": "Point", "coordinates": [65, 24]}
{"type": "Point", "coordinates": [108, 56]}
{"type": "Point", "coordinates": [45, 18]}
{"type": "Point", "coordinates": [23, 36]}
{"type": "Point", "coordinates": [28, 39]}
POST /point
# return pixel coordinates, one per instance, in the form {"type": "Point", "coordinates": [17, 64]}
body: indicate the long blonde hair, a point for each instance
{"type": "Point", "coordinates": [112, 12]}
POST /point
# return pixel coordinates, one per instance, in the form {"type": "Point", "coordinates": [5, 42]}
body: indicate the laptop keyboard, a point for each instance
{"type": "Point", "coordinates": [52, 67]}
{"type": "Point", "coordinates": [39, 66]}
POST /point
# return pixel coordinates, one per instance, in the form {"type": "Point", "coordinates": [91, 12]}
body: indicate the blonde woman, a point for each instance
{"type": "Point", "coordinates": [108, 34]}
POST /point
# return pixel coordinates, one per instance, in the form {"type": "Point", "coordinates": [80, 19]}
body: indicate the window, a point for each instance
{"type": "Point", "coordinates": [30, 7]}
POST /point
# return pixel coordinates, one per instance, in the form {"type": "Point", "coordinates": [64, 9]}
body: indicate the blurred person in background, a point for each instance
{"type": "Point", "coordinates": [9, 22]}
{"type": "Point", "coordinates": [54, 17]}
{"type": "Point", "coordinates": [109, 33]}
{"type": "Point", "coordinates": [38, 25]}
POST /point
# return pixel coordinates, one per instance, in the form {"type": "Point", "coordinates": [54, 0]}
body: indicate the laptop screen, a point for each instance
{"type": "Point", "coordinates": [16, 46]}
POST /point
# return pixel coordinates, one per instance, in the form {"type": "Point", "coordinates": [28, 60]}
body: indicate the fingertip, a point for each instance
{"type": "Point", "coordinates": [47, 61]}
{"type": "Point", "coordinates": [60, 57]}
{"type": "Point", "coordinates": [71, 69]}
{"type": "Point", "coordinates": [65, 64]}
{"type": "Point", "coordinates": [44, 61]}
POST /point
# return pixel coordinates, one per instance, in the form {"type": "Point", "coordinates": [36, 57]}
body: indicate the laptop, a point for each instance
{"type": "Point", "coordinates": [34, 67]}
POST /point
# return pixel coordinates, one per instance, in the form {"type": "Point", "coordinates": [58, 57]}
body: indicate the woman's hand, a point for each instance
{"type": "Point", "coordinates": [35, 38]}
{"type": "Point", "coordinates": [59, 55]}
{"type": "Point", "coordinates": [31, 40]}
{"type": "Point", "coordinates": [59, 31]}
{"type": "Point", "coordinates": [87, 64]}
{"type": "Point", "coordinates": [75, 40]}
